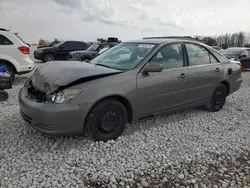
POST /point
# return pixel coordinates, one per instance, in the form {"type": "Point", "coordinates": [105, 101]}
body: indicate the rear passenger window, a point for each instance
{"type": "Point", "coordinates": [220, 57]}
{"type": "Point", "coordinates": [4, 41]}
{"type": "Point", "coordinates": [197, 55]}
{"type": "Point", "coordinates": [169, 56]}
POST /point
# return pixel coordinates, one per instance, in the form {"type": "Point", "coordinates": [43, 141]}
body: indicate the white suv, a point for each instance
{"type": "Point", "coordinates": [14, 54]}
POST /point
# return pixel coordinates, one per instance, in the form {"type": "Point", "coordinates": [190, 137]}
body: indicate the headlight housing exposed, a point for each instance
{"type": "Point", "coordinates": [62, 96]}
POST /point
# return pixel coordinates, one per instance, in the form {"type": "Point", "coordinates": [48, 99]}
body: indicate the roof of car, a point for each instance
{"type": "Point", "coordinates": [240, 48]}
{"type": "Point", "coordinates": [162, 40]}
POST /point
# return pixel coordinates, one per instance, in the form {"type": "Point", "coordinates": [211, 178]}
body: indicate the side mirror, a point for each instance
{"type": "Point", "coordinates": [153, 67]}
{"type": "Point", "coordinates": [61, 47]}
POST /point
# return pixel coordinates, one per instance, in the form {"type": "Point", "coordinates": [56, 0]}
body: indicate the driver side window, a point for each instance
{"type": "Point", "coordinates": [66, 45]}
{"type": "Point", "coordinates": [169, 56]}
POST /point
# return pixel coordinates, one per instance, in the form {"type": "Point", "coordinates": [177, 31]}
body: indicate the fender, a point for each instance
{"type": "Point", "coordinates": [11, 60]}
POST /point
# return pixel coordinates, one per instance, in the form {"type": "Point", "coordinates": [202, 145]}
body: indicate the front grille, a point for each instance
{"type": "Point", "coordinates": [34, 94]}
{"type": "Point", "coordinates": [25, 117]}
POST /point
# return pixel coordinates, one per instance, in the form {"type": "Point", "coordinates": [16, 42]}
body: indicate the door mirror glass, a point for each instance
{"type": "Point", "coordinates": [153, 67]}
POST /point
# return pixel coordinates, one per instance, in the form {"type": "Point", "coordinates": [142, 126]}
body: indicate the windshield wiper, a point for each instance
{"type": "Point", "coordinates": [104, 65]}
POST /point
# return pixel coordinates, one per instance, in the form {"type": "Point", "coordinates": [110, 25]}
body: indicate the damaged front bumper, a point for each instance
{"type": "Point", "coordinates": [53, 119]}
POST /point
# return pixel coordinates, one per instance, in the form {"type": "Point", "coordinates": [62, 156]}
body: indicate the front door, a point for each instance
{"type": "Point", "coordinates": [167, 89]}
{"type": "Point", "coordinates": [204, 73]}
{"type": "Point", "coordinates": [63, 50]}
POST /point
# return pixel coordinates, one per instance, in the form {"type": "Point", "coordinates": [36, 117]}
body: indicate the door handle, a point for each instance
{"type": "Point", "coordinates": [183, 75]}
{"type": "Point", "coordinates": [217, 70]}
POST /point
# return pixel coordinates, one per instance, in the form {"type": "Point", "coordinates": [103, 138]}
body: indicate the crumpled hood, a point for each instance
{"type": "Point", "coordinates": [49, 77]}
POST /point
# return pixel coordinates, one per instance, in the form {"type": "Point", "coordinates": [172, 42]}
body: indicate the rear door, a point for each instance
{"type": "Point", "coordinates": [79, 46]}
{"type": "Point", "coordinates": [167, 89]}
{"type": "Point", "coordinates": [204, 72]}
{"type": "Point", "coordinates": [7, 47]}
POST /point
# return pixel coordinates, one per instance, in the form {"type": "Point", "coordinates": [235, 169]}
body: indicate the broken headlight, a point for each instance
{"type": "Point", "coordinates": [62, 96]}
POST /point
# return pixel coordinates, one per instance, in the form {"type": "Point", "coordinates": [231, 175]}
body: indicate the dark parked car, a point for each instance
{"type": "Point", "coordinates": [51, 44]}
{"type": "Point", "coordinates": [131, 81]}
{"type": "Point", "coordinates": [94, 50]}
{"type": "Point", "coordinates": [60, 51]}
{"type": "Point", "coordinates": [239, 54]}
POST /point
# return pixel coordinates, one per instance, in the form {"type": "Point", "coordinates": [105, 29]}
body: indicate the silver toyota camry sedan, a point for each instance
{"type": "Point", "coordinates": [131, 81]}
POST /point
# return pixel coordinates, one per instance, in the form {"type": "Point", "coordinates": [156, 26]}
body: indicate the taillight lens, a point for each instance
{"type": "Point", "coordinates": [240, 67]}
{"type": "Point", "coordinates": [24, 49]}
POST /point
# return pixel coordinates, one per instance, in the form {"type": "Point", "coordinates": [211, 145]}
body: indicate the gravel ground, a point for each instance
{"type": "Point", "coordinates": [193, 148]}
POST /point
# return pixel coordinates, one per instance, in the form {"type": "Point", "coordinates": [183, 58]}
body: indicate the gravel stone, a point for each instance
{"type": "Point", "coordinates": [144, 183]}
{"type": "Point", "coordinates": [181, 176]}
{"type": "Point", "coordinates": [181, 148]}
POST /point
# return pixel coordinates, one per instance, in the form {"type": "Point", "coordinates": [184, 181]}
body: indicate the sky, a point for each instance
{"type": "Point", "coordinates": [87, 20]}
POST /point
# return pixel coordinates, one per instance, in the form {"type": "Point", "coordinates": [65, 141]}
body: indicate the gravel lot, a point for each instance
{"type": "Point", "coordinates": [193, 148]}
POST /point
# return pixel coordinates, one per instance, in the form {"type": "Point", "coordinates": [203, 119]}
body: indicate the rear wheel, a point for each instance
{"type": "Point", "coordinates": [106, 120]}
{"type": "Point", "coordinates": [48, 57]}
{"type": "Point", "coordinates": [217, 99]}
{"type": "Point", "coordinates": [11, 72]}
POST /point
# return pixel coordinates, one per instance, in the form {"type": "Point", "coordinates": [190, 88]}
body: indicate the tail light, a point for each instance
{"type": "Point", "coordinates": [24, 49]}
{"type": "Point", "coordinates": [240, 67]}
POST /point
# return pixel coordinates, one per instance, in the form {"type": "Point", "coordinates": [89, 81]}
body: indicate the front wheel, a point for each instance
{"type": "Point", "coordinates": [48, 57]}
{"type": "Point", "coordinates": [106, 120]}
{"type": "Point", "coordinates": [217, 99]}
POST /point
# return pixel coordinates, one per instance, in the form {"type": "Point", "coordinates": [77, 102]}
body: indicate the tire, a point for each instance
{"type": "Point", "coordinates": [99, 123]}
{"type": "Point", "coordinates": [3, 95]}
{"type": "Point", "coordinates": [48, 57]}
{"type": "Point", "coordinates": [11, 71]}
{"type": "Point", "coordinates": [218, 99]}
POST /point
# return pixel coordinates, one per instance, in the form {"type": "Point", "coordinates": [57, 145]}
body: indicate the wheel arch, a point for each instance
{"type": "Point", "coordinates": [9, 64]}
{"type": "Point", "coordinates": [227, 85]}
{"type": "Point", "coordinates": [119, 98]}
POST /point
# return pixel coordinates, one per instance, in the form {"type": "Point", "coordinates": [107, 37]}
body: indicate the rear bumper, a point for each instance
{"type": "Point", "coordinates": [26, 65]}
{"type": "Point", "coordinates": [53, 119]}
{"type": "Point", "coordinates": [27, 70]}
{"type": "Point", "coordinates": [236, 85]}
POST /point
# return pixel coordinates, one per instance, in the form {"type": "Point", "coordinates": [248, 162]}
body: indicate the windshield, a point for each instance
{"type": "Point", "coordinates": [93, 47]}
{"type": "Point", "coordinates": [51, 44]}
{"type": "Point", "coordinates": [232, 51]}
{"type": "Point", "coordinates": [124, 56]}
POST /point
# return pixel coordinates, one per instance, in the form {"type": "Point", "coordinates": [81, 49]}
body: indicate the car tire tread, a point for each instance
{"type": "Point", "coordinates": [95, 112]}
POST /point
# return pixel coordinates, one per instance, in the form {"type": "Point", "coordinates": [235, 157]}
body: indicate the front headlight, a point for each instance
{"type": "Point", "coordinates": [62, 96]}
{"type": "Point", "coordinates": [76, 55]}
